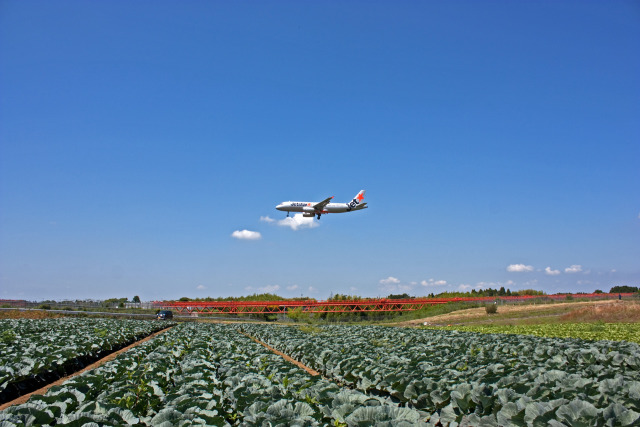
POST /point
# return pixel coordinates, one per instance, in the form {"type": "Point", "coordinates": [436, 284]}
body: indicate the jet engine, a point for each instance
{"type": "Point", "coordinates": [308, 214]}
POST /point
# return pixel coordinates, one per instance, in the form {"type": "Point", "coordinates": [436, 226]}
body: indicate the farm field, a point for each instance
{"type": "Point", "coordinates": [608, 311]}
{"type": "Point", "coordinates": [203, 374]}
{"type": "Point", "coordinates": [34, 352]}
{"type": "Point", "coordinates": [476, 379]}
{"type": "Point", "coordinates": [216, 374]}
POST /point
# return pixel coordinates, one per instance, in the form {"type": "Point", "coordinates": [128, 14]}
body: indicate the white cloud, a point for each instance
{"type": "Point", "coordinates": [519, 268]}
{"type": "Point", "coordinates": [389, 281]}
{"type": "Point", "coordinates": [575, 268]}
{"type": "Point", "coordinates": [201, 287]}
{"type": "Point", "coordinates": [298, 221]}
{"type": "Point", "coordinates": [486, 285]}
{"type": "Point", "coordinates": [267, 219]}
{"type": "Point", "coordinates": [551, 272]}
{"type": "Point", "coordinates": [292, 287]}
{"type": "Point", "coordinates": [263, 289]}
{"type": "Point", "coordinates": [464, 288]}
{"type": "Point", "coordinates": [432, 282]}
{"type": "Point", "coordinates": [395, 288]}
{"type": "Point", "coordinates": [246, 235]}
{"type": "Point", "coordinates": [392, 285]}
{"type": "Point", "coordinates": [312, 290]}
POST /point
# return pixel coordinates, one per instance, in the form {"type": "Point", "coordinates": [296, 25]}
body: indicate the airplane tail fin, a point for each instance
{"type": "Point", "coordinates": [356, 203]}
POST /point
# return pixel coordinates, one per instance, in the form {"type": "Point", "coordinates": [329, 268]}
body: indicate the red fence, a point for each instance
{"type": "Point", "coordinates": [370, 305]}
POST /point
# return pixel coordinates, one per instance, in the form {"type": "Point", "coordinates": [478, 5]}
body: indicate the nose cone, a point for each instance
{"type": "Point", "coordinates": [280, 206]}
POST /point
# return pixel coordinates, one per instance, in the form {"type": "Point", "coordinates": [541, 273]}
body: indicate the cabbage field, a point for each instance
{"type": "Point", "coordinates": [35, 352]}
{"type": "Point", "coordinates": [475, 379]}
{"type": "Point", "coordinates": [590, 331]}
{"type": "Point", "coordinates": [213, 374]}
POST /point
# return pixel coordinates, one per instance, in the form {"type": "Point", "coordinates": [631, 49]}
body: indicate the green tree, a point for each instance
{"type": "Point", "coordinates": [136, 299]}
{"type": "Point", "coordinates": [114, 302]}
{"type": "Point", "coordinates": [623, 289]}
{"type": "Point", "coordinates": [399, 296]}
{"type": "Point", "coordinates": [528, 292]}
{"type": "Point", "coordinates": [298, 315]}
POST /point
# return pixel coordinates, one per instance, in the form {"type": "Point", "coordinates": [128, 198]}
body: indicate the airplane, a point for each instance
{"type": "Point", "coordinates": [310, 209]}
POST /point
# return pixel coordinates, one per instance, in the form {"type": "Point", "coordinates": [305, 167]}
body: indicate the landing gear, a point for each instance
{"type": "Point", "coordinates": [288, 214]}
{"type": "Point", "coordinates": [318, 217]}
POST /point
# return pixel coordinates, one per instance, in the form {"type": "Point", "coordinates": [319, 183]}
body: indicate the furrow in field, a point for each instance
{"type": "Point", "coordinates": [287, 358]}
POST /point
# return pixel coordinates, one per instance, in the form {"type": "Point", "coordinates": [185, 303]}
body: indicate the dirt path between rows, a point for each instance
{"type": "Point", "coordinates": [23, 399]}
{"type": "Point", "coordinates": [287, 358]}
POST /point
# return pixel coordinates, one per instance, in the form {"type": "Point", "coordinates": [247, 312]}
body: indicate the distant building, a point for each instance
{"type": "Point", "coordinates": [144, 304]}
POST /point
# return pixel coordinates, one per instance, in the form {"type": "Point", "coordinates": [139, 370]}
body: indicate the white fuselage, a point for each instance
{"type": "Point", "coordinates": [308, 207]}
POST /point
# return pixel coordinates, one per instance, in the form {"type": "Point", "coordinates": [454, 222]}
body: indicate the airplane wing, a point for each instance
{"type": "Point", "coordinates": [320, 206]}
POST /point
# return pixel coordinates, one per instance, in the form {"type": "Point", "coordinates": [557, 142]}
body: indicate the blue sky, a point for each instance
{"type": "Point", "coordinates": [499, 144]}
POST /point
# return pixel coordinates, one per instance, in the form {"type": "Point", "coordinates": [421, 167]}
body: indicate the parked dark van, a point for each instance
{"type": "Point", "coordinates": [164, 314]}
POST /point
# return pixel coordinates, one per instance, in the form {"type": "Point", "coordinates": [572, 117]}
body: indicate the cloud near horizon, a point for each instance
{"type": "Point", "coordinates": [519, 268]}
{"type": "Point", "coordinates": [395, 288]}
{"type": "Point", "coordinates": [548, 271]}
{"type": "Point", "coordinates": [432, 282]}
{"type": "Point", "coordinates": [390, 281]}
{"type": "Point", "coordinates": [496, 285]}
{"type": "Point", "coordinates": [392, 285]}
{"type": "Point", "coordinates": [575, 268]}
{"type": "Point", "coordinates": [263, 289]}
{"type": "Point", "coordinates": [246, 235]}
